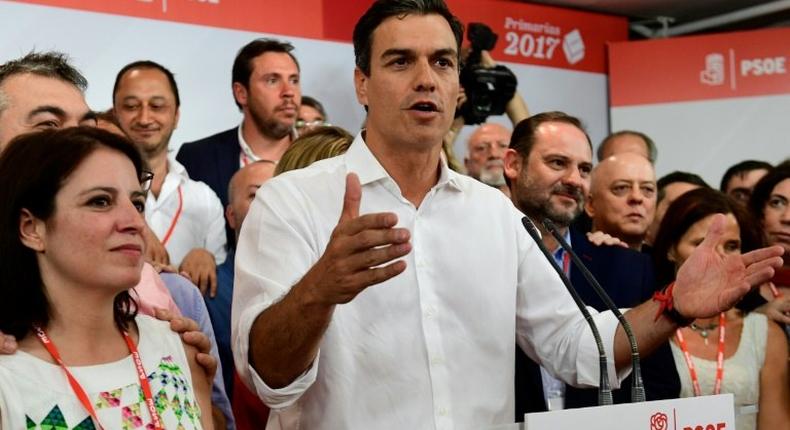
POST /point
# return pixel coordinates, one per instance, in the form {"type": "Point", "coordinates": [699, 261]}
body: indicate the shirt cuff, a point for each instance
{"type": "Point", "coordinates": [284, 397]}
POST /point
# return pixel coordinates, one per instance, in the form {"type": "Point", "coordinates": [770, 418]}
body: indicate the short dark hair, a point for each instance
{"type": "Point", "coordinates": [56, 154]}
{"type": "Point", "coordinates": [48, 64]}
{"type": "Point", "coordinates": [691, 207]}
{"type": "Point", "coordinates": [108, 116]}
{"type": "Point", "coordinates": [765, 186]}
{"type": "Point", "coordinates": [652, 151]}
{"type": "Point", "coordinates": [740, 169]}
{"type": "Point", "coordinates": [147, 64]}
{"type": "Point", "coordinates": [380, 10]}
{"type": "Point", "coordinates": [242, 65]}
{"type": "Point", "coordinates": [315, 104]}
{"type": "Point", "coordinates": [523, 137]}
{"type": "Point", "coordinates": [675, 177]}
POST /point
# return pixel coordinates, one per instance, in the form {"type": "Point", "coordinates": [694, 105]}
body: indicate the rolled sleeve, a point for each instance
{"type": "Point", "coordinates": [552, 330]}
{"type": "Point", "coordinates": [263, 276]}
{"type": "Point", "coordinates": [284, 397]}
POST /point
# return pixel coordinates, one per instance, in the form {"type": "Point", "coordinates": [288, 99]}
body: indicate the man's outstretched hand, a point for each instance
{"type": "Point", "coordinates": [360, 252]}
{"type": "Point", "coordinates": [708, 283]}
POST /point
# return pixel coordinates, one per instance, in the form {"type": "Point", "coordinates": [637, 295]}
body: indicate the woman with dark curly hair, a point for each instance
{"type": "Point", "coordinates": [70, 238]}
{"type": "Point", "coordinates": [770, 202]}
{"type": "Point", "coordinates": [742, 354]}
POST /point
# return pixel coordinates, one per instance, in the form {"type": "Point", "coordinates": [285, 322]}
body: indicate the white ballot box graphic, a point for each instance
{"type": "Point", "coordinates": [573, 46]}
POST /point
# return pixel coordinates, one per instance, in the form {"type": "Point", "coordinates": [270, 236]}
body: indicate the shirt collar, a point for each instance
{"type": "Point", "coordinates": [558, 254]}
{"type": "Point", "coordinates": [245, 148]}
{"type": "Point", "coordinates": [360, 160]}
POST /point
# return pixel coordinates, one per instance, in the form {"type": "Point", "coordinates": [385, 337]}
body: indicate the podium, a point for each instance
{"type": "Point", "coordinates": [692, 413]}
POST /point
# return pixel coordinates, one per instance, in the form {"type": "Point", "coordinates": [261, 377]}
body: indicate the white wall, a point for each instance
{"type": "Point", "coordinates": [707, 137]}
{"type": "Point", "coordinates": [201, 58]}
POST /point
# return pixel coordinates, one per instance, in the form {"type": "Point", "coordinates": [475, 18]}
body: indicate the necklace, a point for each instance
{"type": "Point", "coordinates": [704, 330]}
{"type": "Point", "coordinates": [719, 359]}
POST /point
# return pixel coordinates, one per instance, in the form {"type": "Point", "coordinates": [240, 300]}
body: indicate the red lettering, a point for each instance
{"type": "Point", "coordinates": [718, 426]}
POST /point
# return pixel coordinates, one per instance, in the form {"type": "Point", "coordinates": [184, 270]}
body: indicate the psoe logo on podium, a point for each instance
{"type": "Point", "coordinates": [659, 421]}
{"type": "Point", "coordinates": [713, 74]}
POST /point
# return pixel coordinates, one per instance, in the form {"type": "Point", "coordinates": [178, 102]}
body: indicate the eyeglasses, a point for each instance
{"type": "Point", "coordinates": [146, 179]}
{"type": "Point", "coordinates": [300, 124]}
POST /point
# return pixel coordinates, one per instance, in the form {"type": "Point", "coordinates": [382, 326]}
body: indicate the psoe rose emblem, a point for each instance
{"type": "Point", "coordinates": [658, 421]}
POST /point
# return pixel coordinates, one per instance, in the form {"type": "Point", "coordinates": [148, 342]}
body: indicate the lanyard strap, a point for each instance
{"type": "Point", "coordinates": [80, 392]}
{"type": "Point", "coordinates": [244, 159]}
{"type": "Point", "coordinates": [138, 365]}
{"type": "Point", "coordinates": [175, 218]}
{"type": "Point", "coordinates": [719, 359]}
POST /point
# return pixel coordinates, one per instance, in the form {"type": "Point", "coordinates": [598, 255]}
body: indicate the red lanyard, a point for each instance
{"type": "Point", "coordinates": [244, 160]}
{"type": "Point", "coordinates": [175, 218]}
{"type": "Point", "coordinates": [80, 392]}
{"type": "Point", "coordinates": [719, 360]}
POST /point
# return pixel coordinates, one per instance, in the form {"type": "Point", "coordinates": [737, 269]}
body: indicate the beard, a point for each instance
{"type": "Point", "coordinates": [535, 201]}
{"type": "Point", "coordinates": [493, 174]}
{"type": "Point", "coordinates": [269, 127]}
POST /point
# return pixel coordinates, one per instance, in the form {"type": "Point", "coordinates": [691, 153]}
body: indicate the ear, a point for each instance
{"type": "Point", "coordinates": [178, 116]}
{"type": "Point", "coordinates": [513, 163]}
{"type": "Point", "coordinates": [588, 206]}
{"type": "Point", "coordinates": [240, 93]}
{"type": "Point", "coordinates": [361, 86]}
{"type": "Point", "coordinates": [231, 216]}
{"type": "Point", "coordinates": [32, 231]}
{"type": "Point", "coordinates": [672, 255]}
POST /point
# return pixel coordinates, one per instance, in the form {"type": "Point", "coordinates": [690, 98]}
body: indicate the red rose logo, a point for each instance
{"type": "Point", "coordinates": [658, 421]}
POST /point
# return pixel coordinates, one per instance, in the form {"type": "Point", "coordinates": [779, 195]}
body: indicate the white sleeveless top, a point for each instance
{"type": "Point", "coordinates": [741, 371]}
{"type": "Point", "coordinates": [35, 394]}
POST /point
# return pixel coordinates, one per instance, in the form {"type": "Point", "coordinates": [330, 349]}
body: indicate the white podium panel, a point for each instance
{"type": "Point", "coordinates": [694, 413]}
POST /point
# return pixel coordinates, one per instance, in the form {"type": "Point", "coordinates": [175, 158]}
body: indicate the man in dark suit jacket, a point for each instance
{"type": "Point", "coordinates": [266, 90]}
{"type": "Point", "coordinates": [213, 160]}
{"type": "Point", "coordinates": [548, 169]}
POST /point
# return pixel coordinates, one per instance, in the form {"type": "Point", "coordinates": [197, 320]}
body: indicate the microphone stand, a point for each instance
{"type": "Point", "coordinates": [604, 389]}
{"type": "Point", "coordinates": [637, 388]}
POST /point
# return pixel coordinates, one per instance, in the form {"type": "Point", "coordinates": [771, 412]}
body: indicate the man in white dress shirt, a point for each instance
{"type": "Point", "coordinates": [345, 316]}
{"type": "Point", "coordinates": [186, 215]}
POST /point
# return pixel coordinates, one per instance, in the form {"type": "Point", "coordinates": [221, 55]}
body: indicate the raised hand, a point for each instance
{"type": "Point", "coordinates": [360, 252]}
{"type": "Point", "coordinates": [199, 266]}
{"type": "Point", "coordinates": [708, 283]}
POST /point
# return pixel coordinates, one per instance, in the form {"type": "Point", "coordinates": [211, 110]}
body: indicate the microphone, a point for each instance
{"type": "Point", "coordinates": [604, 389]}
{"type": "Point", "coordinates": [637, 388]}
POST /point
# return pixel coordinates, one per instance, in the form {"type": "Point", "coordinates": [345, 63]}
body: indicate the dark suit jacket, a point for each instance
{"type": "Point", "coordinates": [214, 160]}
{"type": "Point", "coordinates": [628, 278]}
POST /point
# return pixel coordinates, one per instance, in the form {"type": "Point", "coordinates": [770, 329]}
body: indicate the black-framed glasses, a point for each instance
{"type": "Point", "coordinates": [146, 179]}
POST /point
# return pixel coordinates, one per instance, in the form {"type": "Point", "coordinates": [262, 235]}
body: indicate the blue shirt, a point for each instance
{"type": "Point", "coordinates": [219, 311]}
{"type": "Point", "coordinates": [189, 300]}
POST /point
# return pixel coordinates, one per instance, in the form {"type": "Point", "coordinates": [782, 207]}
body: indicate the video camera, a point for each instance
{"type": "Point", "coordinates": [488, 90]}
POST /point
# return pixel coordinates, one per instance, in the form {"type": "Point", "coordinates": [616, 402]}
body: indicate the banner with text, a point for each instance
{"type": "Point", "coordinates": [708, 101]}
{"type": "Point", "coordinates": [528, 34]}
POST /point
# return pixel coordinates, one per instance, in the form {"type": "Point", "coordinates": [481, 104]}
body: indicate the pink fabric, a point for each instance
{"type": "Point", "coordinates": [151, 293]}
